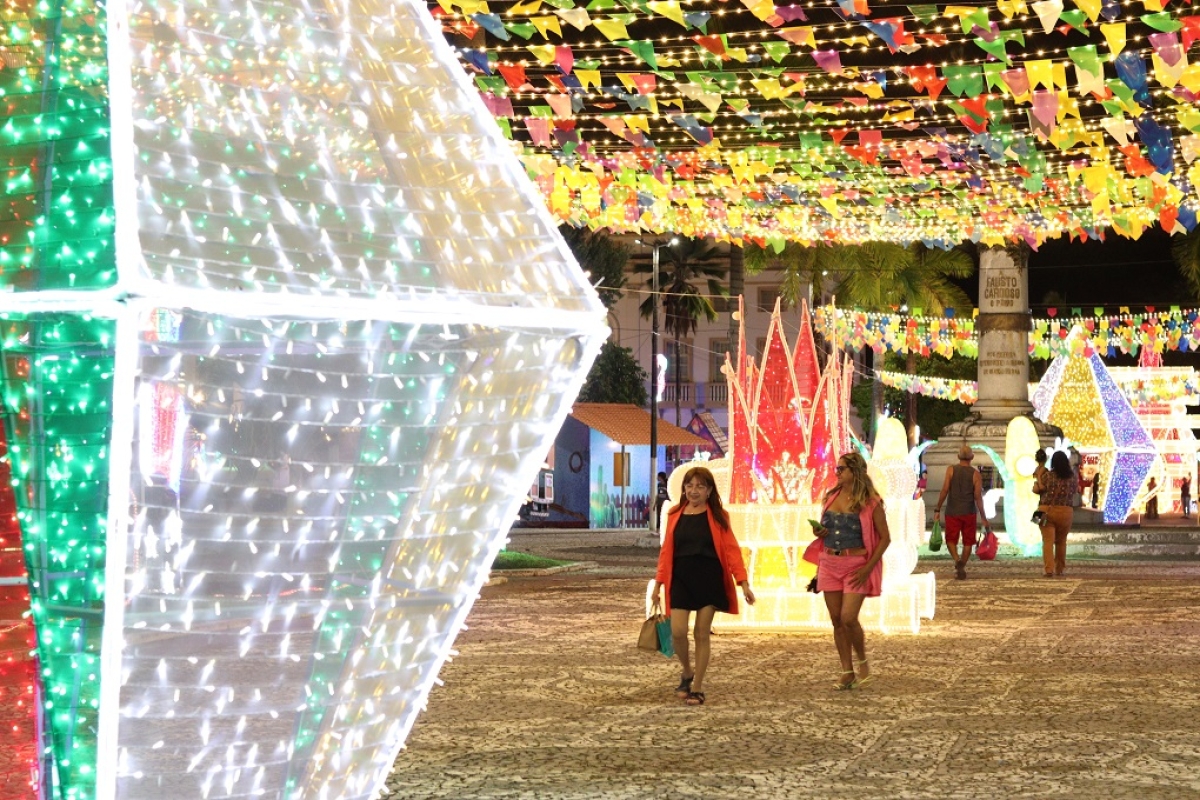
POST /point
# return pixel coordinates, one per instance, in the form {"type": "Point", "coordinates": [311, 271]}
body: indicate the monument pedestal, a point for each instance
{"type": "Point", "coordinates": [1003, 327]}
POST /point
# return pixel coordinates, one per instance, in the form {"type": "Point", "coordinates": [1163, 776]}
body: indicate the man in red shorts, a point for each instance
{"type": "Point", "coordinates": [962, 494]}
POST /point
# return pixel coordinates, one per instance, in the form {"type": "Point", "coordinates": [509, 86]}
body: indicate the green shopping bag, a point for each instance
{"type": "Point", "coordinates": [935, 536]}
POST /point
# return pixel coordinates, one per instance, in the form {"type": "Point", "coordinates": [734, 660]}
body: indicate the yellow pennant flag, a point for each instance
{"type": "Point", "coordinates": [669, 9]}
{"type": "Point", "coordinates": [612, 29]}
{"type": "Point", "coordinates": [1191, 78]}
{"type": "Point", "coordinates": [1068, 107]}
{"type": "Point", "coordinates": [626, 78]}
{"type": "Point", "coordinates": [525, 8]}
{"type": "Point", "coordinates": [763, 9]}
{"type": "Point", "coordinates": [1041, 73]}
{"type": "Point", "coordinates": [1010, 8]}
{"type": "Point", "coordinates": [798, 36]}
{"type": "Point", "coordinates": [1089, 7]}
{"type": "Point", "coordinates": [470, 7]}
{"type": "Point", "coordinates": [546, 25]}
{"type": "Point", "coordinates": [636, 122]}
{"type": "Point", "coordinates": [588, 77]}
{"type": "Point", "coordinates": [544, 53]}
{"type": "Point", "coordinates": [1114, 34]}
{"type": "Point", "coordinates": [1167, 75]}
{"type": "Point", "coordinates": [1153, 6]}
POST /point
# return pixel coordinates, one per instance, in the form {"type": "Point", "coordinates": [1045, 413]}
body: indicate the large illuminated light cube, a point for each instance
{"type": "Point", "coordinates": [285, 336]}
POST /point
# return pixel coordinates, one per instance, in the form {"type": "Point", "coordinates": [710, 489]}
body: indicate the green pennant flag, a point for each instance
{"type": "Point", "coordinates": [588, 63]}
{"type": "Point", "coordinates": [924, 13]}
{"type": "Point", "coordinates": [1118, 87]}
{"type": "Point", "coordinates": [1035, 182]}
{"type": "Point", "coordinates": [601, 5]}
{"type": "Point", "coordinates": [964, 80]}
{"type": "Point", "coordinates": [525, 30]}
{"type": "Point", "coordinates": [1162, 21]}
{"type": "Point", "coordinates": [1017, 36]}
{"type": "Point", "coordinates": [505, 127]}
{"type": "Point", "coordinates": [991, 75]}
{"type": "Point", "coordinates": [994, 48]}
{"type": "Point", "coordinates": [1086, 58]}
{"type": "Point", "coordinates": [494, 84]}
{"type": "Point", "coordinates": [643, 49]}
{"type": "Point", "coordinates": [1076, 19]}
{"type": "Point", "coordinates": [975, 18]}
{"type": "Point", "coordinates": [543, 112]}
{"type": "Point", "coordinates": [811, 140]}
{"type": "Point", "coordinates": [738, 104]}
{"type": "Point", "coordinates": [777, 51]}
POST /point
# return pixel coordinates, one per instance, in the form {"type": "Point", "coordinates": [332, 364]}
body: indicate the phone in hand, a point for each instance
{"type": "Point", "coordinates": [818, 528]}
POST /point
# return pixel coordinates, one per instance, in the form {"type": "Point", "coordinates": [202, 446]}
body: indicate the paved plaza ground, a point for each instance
{"type": "Point", "coordinates": [1021, 687]}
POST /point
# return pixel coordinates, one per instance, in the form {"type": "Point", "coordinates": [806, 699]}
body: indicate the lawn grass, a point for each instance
{"type": "Point", "coordinates": [510, 559]}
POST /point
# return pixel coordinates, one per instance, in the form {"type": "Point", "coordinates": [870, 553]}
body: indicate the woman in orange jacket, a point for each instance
{"type": "Point", "coordinates": [698, 564]}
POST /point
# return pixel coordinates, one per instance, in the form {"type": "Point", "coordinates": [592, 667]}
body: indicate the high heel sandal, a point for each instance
{"type": "Point", "coordinates": [843, 686]}
{"type": "Point", "coordinates": [865, 681]}
{"type": "Point", "coordinates": [685, 687]}
{"type": "Point", "coordinates": [694, 699]}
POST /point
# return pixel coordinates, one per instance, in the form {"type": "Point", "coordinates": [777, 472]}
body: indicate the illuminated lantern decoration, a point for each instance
{"type": "Point", "coordinates": [1078, 395]}
{"type": "Point", "coordinates": [789, 423]}
{"type": "Point", "coordinates": [286, 333]}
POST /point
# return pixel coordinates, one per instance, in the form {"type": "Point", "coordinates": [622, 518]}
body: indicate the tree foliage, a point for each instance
{"type": "Point", "coordinates": [1186, 252]}
{"type": "Point", "coordinates": [932, 414]}
{"type": "Point", "coordinates": [875, 276]}
{"type": "Point", "coordinates": [602, 257]}
{"type": "Point", "coordinates": [616, 377]}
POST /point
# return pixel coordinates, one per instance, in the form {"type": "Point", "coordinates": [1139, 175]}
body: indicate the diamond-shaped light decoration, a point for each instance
{"type": "Point", "coordinates": [286, 334]}
{"type": "Point", "coordinates": [1079, 395]}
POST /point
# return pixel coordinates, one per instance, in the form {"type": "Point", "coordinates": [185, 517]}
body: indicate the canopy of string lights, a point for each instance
{"type": "Point", "coordinates": [845, 121]}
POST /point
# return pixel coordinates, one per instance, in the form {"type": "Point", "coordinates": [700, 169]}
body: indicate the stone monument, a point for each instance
{"type": "Point", "coordinates": [1003, 328]}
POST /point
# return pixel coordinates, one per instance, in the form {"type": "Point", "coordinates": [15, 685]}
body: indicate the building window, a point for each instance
{"type": "Point", "coordinates": [766, 298]}
{"type": "Point", "coordinates": [717, 348]}
{"type": "Point", "coordinates": [684, 357]}
{"type": "Point", "coordinates": [760, 347]}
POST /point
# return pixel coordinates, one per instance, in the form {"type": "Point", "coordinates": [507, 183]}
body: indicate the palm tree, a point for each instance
{"type": "Point", "coordinates": [875, 276]}
{"type": "Point", "coordinates": [1186, 252]}
{"type": "Point", "coordinates": [602, 257]}
{"type": "Point", "coordinates": [689, 273]}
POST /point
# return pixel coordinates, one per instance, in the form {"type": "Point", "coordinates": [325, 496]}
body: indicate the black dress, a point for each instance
{"type": "Point", "coordinates": [697, 579]}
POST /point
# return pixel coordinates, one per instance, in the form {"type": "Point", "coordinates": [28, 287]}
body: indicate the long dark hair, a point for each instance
{"type": "Point", "coordinates": [1061, 465]}
{"type": "Point", "coordinates": [714, 497]}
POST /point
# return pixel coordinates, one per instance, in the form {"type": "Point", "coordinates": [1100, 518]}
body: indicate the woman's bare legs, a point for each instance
{"type": "Point", "coordinates": [702, 632]}
{"type": "Point", "coordinates": [847, 632]}
{"type": "Point", "coordinates": [679, 637]}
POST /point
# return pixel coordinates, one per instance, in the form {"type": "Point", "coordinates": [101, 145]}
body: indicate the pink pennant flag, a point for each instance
{"type": "Point", "coordinates": [539, 130]}
{"type": "Point", "coordinates": [1167, 47]}
{"type": "Point", "coordinates": [828, 60]}
{"type": "Point", "coordinates": [1017, 80]}
{"type": "Point", "coordinates": [561, 103]}
{"type": "Point", "coordinates": [564, 58]}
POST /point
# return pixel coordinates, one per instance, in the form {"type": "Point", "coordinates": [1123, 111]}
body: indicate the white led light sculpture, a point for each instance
{"type": "Point", "coordinates": [343, 332]}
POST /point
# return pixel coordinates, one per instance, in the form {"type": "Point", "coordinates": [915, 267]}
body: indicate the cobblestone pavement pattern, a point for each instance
{"type": "Point", "coordinates": [1022, 687]}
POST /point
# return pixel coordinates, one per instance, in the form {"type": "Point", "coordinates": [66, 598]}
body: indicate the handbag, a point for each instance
{"type": "Point", "coordinates": [935, 536]}
{"type": "Point", "coordinates": [987, 547]}
{"type": "Point", "coordinates": [655, 635]}
{"type": "Point", "coordinates": [812, 553]}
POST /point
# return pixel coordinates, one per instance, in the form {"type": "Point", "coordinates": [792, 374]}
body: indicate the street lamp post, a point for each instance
{"type": "Point", "coordinates": [654, 383]}
{"type": "Point", "coordinates": [654, 391]}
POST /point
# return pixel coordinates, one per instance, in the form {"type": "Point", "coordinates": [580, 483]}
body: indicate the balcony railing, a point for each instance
{"type": "Point", "coordinates": [697, 395]}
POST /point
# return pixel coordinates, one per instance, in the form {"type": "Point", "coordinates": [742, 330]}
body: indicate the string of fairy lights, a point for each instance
{"type": "Point", "coordinates": [749, 83]}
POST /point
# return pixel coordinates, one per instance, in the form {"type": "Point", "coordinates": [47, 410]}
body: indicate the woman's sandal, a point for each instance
{"type": "Point", "coordinates": [694, 699]}
{"type": "Point", "coordinates": [685, 687]}
{"type": "Point", "coordinates": [859, 682]}
{"type": "Point", "coordinates": [842, 685]}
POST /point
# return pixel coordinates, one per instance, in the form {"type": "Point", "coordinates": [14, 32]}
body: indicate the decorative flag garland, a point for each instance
{"type": "Point", "coordinates": [993, 123]}
{"type": "Point", "coordinates": [1147, 389]}
{"type": "Point", "coordinates": [1126, 332]}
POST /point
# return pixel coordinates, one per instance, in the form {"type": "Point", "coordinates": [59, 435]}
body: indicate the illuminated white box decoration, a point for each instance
{"type": "Point", "coordinates": [286, 335]}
